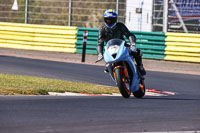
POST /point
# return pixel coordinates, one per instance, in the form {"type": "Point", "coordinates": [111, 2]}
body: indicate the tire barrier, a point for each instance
{"type": "Point", "coordinates": [38, 37]}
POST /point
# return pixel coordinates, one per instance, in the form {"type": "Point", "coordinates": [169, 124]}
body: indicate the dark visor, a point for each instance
{"type": "Point", "coordinates": [110, 20]}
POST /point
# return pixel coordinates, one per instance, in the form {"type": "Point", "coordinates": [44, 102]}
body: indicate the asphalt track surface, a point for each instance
{"type": "Point", "coordinates": [93, 114]}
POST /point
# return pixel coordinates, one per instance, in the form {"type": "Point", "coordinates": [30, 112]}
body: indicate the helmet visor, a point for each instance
{"type": "Point", "coordinates": [110, 20]}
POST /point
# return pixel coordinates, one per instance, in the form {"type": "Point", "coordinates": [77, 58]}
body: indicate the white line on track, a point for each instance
{"type": "Point", "coordinates": [168, 132]}
{"type": "Point", "coordinates": [149, 92]}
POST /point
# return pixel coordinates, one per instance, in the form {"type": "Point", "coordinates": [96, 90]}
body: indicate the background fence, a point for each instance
{"type": "Point", "coordinates": [166, 15]}
{"type": "Point", "coordinates": [87, 13]}
{"type": "Point", "coordinates": [176, 16]}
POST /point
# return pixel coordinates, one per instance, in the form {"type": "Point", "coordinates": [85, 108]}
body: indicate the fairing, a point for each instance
{"type": "Point", "coordinates": [121, 55]}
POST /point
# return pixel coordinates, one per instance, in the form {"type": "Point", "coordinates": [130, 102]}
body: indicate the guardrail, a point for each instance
{"type": "Point", "coordinates": [152, 44]}
{"type": "Point", "coordinates": [182, 47]}
{"type": "Point", "coordinates": [91, 40]}
{"type": "Point", "coordinates": [38, 37]}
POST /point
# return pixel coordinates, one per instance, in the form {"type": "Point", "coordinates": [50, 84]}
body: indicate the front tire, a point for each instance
{"type": "Point", "coordinates": [122, 83]}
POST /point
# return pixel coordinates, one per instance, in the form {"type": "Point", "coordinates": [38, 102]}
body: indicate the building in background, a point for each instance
{"type": "Point", "coordinates": [179, 16]}
{"type": "Point", "coordinates": [184, 16]}
{"type": "Point", "coordinates": [139, 15]}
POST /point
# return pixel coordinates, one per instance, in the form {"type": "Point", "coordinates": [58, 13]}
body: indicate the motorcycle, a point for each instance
{"type": "Point", "coordinates": [122, 69]}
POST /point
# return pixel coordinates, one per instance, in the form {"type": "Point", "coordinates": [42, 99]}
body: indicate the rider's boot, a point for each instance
{"type": "Point", "coordinates": [106, 69]}
{"type": "Point", "coordinates": [141, 69]}
{"type": "Point", "coordinates": [138, 59]}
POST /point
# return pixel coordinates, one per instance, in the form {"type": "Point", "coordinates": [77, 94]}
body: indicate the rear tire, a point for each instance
{"type": "Point", "coordinates": [141, 92]}
{"type": "Point", "coordinates": [123, 86]}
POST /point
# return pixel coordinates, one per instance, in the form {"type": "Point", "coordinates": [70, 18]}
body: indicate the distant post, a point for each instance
{"type": "Point", "coordinates": [70, 13]}
{"type": "Point", "coordinates": [117, 6]}
{"type": "Point", "coordinates": [165, 15]}
{"type": "Point", "coordinates": [85, 34]}
{"type": "Point", "coordinates": [26, 12]}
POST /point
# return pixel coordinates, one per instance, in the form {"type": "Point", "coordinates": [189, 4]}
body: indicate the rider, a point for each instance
{"type": "Point", "coordinates": [113, 29]}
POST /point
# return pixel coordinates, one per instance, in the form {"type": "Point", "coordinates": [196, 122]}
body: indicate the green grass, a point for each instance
{"type": "Point", "coordinates": [27, 85]}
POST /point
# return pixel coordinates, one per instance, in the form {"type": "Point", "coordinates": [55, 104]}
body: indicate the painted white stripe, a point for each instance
{"type": "Point", "coordinates": [168, 132]}
{"type": "Point", "coordinates": [84, 40]}
{"type": "Point", "coordinates": [149, 92]}
{"type": "Point", "coordinates": [85, 34]}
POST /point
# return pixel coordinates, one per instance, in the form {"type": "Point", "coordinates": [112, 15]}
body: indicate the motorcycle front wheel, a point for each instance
{"type": "Point", "coordinates": [122, 83]}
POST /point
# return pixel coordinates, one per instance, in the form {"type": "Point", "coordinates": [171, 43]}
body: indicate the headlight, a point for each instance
{"type": "Point", "coordinates": [113, 49]}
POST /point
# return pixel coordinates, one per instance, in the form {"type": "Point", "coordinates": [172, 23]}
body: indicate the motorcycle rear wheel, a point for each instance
{"type": "Point", "coordinates": [141, 92]}
{"type": "Point", "coordinates": [122, 84]}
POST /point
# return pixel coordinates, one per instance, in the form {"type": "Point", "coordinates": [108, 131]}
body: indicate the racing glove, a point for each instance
{"type": "Point", "coordinates": [132, 43]}
{"type": "Point", "coordinates": [133, 48]}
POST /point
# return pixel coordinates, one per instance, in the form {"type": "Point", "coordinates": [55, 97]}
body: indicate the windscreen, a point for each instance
{"type": "Point", "coordinates": [114, 42]}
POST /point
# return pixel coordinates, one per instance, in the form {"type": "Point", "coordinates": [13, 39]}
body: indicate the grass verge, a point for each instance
{"type": "Point", "coordinates": [27, 85]}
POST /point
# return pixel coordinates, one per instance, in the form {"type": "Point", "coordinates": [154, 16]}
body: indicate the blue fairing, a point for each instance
{"type": "Point", "coordinates": [122, 54]}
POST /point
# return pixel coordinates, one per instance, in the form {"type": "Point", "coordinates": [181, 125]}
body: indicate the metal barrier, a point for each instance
{"type": "Point", "coordinates": [182, 47]}
{"type": "Point", "coordinates": [38, 37]}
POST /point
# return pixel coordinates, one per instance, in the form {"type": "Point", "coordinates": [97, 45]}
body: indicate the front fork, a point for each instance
{"type": "Point", "coordinates": [122, 66]}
